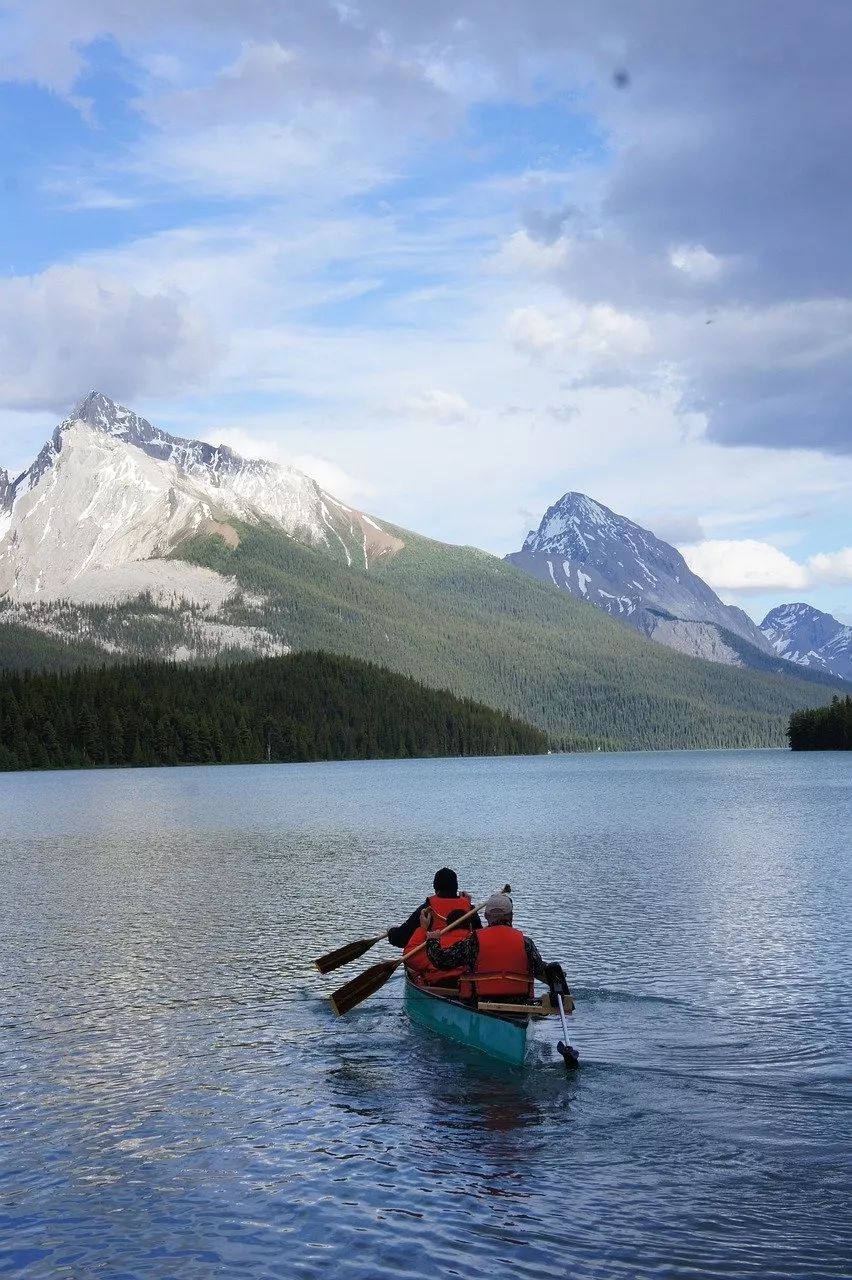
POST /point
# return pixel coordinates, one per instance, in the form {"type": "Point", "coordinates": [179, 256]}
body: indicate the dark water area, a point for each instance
{"type": "Point", "coordinates": [178, 1099]}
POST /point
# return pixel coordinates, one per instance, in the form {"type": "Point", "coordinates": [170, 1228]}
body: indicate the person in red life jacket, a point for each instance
{"type": "Point", "coordinates": [499, 962]}
{"type": "Point", "coordinates": [445, 899]}
{"type": "Point", "coordinates": [420, 968]}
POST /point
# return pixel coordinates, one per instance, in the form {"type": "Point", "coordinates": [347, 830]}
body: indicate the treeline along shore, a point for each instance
{"type": "Point", "coordinates": [306, 706]}
{"type": "Point", "coordinates": [823, 728]}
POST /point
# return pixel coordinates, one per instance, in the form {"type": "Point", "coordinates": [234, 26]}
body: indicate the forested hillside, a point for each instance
{"type": "Point", "coordinates": [823, 728]}
{"type": "Point", "coordinates": [24, 648]}
{"type": "Point", "coordinates": [308, 706]}
{"type": "Point", "coordinates": [454, 617]}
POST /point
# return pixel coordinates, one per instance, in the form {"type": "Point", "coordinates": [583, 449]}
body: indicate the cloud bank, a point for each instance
{"type": "Point", "coordinates": [747, 565]}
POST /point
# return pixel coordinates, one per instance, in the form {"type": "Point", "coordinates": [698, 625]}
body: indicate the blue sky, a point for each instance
{"type": "Point", "coordinates": [453, 259]}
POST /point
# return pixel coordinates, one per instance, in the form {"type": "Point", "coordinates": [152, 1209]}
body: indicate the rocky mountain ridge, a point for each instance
{"type": "Point", "coordinates": [109, 490]}
{"type": "Point", "coordinates": [813, 639]}
{"type": "Point", "coordinates": [596, 555]}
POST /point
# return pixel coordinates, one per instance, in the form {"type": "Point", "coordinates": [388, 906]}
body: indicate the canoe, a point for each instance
{"type": "Point", "coordinates": [500, 1036]}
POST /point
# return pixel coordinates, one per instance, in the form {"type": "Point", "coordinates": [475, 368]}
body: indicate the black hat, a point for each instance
{"type": "Point", "coordinates": [446, 883]}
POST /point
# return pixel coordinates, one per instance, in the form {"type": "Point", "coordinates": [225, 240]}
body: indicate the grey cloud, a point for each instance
{"type": "Point", "coordinates": [673, 527]}
{"type": "Point", "coordinates": [563, 412]}
{"type": "Point", "coordinates": [777, 376]}
{"type": "Point", "coordinates": [69, 327]}
{"type": "Point", "coordinates": [546, 225]}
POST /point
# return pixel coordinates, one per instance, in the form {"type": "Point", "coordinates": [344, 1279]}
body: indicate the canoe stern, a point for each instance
{"type": "Point", "coordinates": [504, 1039]}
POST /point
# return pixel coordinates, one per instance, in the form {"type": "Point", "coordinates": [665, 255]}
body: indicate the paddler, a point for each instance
{"type": "Point", "coordinates": [499, 962]}
{"type": "Point", "coordinates": [419, 968]}
{"type": "Point", "coordinates": [445, 899]}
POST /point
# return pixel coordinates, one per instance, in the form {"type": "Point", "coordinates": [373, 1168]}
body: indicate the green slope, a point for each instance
{"type": "Point", "coordinates": [25, 649]}
{"type": "Point", "coordinates": [308, 706]}
{"type": "Point", "coordinates": [457, 618]}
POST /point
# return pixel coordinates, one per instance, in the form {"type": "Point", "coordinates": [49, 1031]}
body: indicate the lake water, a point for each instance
{"type": "Point", "coordinates": [179, 1101]}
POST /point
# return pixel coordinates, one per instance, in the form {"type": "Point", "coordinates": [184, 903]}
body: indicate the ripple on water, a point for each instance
{"type": "Point", "coordinates": [180, 1101]}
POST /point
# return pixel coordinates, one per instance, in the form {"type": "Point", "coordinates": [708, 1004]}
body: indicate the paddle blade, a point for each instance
{"type": "Point", "coordinates": [345, 955]}
{"type": "Point", "coordinates": [570, 1056]}
{"type": "Point", "coordinates": [362, 987]}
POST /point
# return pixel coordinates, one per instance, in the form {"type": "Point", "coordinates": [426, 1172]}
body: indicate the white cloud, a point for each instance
{"type": "Point", "coordinates": [748, 565]}
{"type": "Point", "coordinates": [522, 255]}
{"type": "Point", "coordinates": [595, 338]}
{"type": "Point", "coordinates": [434, 405]}
{"type": "Point", "coordinates": [533, 332]}
{"type": "Point", "coordinates": [744, 565]}
{"type": "Point", "coordinates": [330, 476]}
{"type": "Point", "coordinates": [70, 329]}
{"type": "Point", "coordinates": [696, 262]}
{"type": "Point", "coordinates": [833, 566]}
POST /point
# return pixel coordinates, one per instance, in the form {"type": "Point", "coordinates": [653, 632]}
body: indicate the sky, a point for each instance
{"type": "Point", "coordinates": [454, 259]}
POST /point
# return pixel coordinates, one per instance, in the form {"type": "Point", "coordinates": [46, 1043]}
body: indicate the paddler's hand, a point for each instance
{"type": "Point", "coordinates": [425, 919]}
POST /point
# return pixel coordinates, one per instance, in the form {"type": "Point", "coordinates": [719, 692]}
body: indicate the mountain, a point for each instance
{"type": "Point", "coordinates": [595, 555]}
{"type": "Point", "coordinates": [123, 541]}
{"type": "Point", "coordinates": [815, 640]}
{"type": "Point", "coordinates": [109, 490]}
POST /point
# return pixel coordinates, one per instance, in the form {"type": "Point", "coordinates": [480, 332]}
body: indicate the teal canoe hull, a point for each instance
{"type": "Point", "coordinates": [502, 1038]}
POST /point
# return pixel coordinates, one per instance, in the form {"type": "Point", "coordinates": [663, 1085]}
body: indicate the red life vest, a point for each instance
{"type": "Point", "coordinates": [420, 967]}
{"type": "Point", "coordinates": [441, 908]}
{"type": "Point", "coordinates": [446, 976]}
{"type": "Point", "coordinates": [502, 965]}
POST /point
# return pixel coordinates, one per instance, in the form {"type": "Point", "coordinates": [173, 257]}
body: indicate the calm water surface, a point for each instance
{"type": "Point", "coordinates": [178, 1100]}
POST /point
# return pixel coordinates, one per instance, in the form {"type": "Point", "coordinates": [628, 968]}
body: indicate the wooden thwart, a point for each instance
{"type": "Point", "coordinates": [535, 1009]}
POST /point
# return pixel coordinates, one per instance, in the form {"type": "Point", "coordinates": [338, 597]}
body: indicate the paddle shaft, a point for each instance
{"type": "Point", "coordinates": [562, 1017]}
{"type": "Point", "coordinates": [460, 920]}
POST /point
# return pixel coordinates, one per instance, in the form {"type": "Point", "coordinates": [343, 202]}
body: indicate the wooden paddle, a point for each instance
{"type": "Point", "coordinates": [352, 993]}
{"type": "Point", "coordinates": [344, 955]}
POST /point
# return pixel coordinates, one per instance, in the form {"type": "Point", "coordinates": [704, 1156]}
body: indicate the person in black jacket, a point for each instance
{"type": "Point", "coordinates": [446, 885]}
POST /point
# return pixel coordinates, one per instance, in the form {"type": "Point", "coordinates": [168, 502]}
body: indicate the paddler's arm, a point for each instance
{"type": "Point", "coordinates": [461, 955]}
{"type": "Point", "coordinates": [537, 965]}
{"type": "Point", "coordinates": [401, 934]}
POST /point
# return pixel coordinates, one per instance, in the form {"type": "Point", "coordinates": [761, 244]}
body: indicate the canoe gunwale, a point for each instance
{"type": "Point", "coordinates": [516, 1020]}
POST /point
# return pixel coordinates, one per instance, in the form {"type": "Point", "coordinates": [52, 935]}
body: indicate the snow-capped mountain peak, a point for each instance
{"type": "Point", "coordinates": [574, 515]}
{"type": "Point", "coordinates": [109, 489]}
{"type": "Point", "coordinates": [583, 547]}
{"type": "Point", "coordinates": [811, 638]}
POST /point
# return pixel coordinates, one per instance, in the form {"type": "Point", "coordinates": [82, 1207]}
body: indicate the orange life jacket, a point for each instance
{"type": "Point", "coordinates": [420, 967]}
{"type": "Point", "coordinates": [446, 976]}
{"type": "Point", "coordinates": [441, 908]}
{"type": "Point", "coordinates": [502, 965]}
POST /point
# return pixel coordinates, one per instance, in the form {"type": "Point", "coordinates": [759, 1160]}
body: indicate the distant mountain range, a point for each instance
{"type": "Point", "coordinates": [815, 640]}
{"type": "Point", "coordinates": [596, 555]}
{"type": "Point", "coordinates": [124, 541]}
